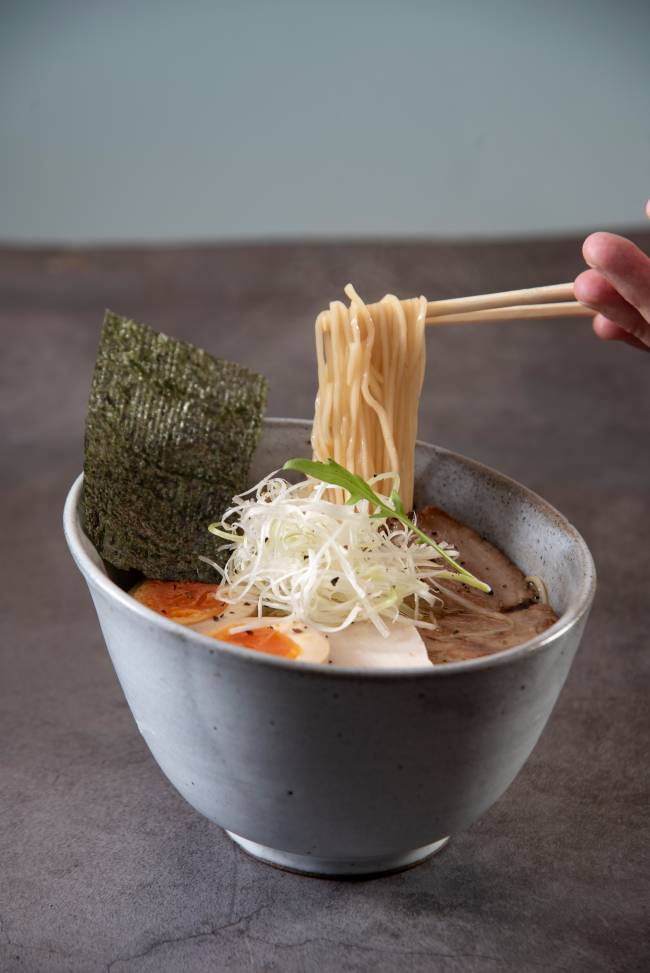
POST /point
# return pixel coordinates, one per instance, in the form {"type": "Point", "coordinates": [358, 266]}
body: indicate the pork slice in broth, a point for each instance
{"type": "Point", "coordinates": [486, 562]}
{"type": "Point", "coordinates": [508, 617]}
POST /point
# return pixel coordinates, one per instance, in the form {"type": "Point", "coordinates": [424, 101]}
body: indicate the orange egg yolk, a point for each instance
{"type": "Point", "coordinates": [186, 602]}
{"type": "Point", "coordinates": [263, 639]}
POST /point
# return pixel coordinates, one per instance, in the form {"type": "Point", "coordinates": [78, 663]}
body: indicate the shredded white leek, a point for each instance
{"type": "Point", "coordinates": [326, 563]}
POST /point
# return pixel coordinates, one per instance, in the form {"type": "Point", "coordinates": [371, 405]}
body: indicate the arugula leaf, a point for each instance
{"type": "Point", "coordinates": [332, 472]}
{"type": "Point", "coordinates": [337, 475]}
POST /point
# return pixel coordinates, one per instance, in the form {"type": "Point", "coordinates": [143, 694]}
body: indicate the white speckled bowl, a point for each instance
{"type": "Point", "coordinates": [342, 771]}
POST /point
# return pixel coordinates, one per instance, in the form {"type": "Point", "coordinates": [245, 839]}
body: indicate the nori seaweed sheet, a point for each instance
{"type": "Point", "coordinates": [170, 434]}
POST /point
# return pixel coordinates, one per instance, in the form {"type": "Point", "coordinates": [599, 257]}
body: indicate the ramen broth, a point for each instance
{"type": "Point", "coordinates": [465, 629]}
{"type": "Point", "coordinates": [477, 624]}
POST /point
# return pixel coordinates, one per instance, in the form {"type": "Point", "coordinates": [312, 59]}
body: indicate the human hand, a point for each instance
{"type": "Point", "coordinates": [617, 288]}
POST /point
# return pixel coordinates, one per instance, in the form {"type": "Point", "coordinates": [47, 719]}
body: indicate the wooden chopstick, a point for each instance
{"type": "Point", "coordinates": [551, 301]}
{"type": "Point", "coordinates": [479, 302]}
{"type": "Point", "coordinates": [559, 309]}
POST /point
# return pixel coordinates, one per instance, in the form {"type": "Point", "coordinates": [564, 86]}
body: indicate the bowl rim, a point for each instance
{"type": "Point", "coordinates": [574, 613]}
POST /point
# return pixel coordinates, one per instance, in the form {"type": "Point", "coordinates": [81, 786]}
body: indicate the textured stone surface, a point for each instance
{"type": "Point", "coordinates": [103, 867]}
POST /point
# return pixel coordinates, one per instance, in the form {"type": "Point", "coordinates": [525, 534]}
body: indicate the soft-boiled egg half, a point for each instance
{"type": "Point", "coordinates": [361, 646]}
{"type": "Point", "coordinates": [197, 606]}
{"type": "Point", "coordinates": [185, 602]}
{"type": "Point", "coordinates": [189, 602]}
{"type": "Point", "coordinates": [285, 637]}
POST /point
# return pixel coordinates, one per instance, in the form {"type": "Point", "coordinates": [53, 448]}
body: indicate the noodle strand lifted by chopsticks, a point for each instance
{"type": "Point", "coordinates": [371, 362]}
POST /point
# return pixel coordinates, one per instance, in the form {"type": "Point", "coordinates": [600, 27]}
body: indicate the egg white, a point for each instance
{"type": "Point", "coordinates": [228, 615]}
{"type": "Point", "coordinates": [312, 645]}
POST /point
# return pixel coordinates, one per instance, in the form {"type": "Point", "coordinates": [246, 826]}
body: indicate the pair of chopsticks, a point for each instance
{"type": "Point", "coordinates": [554, 301]}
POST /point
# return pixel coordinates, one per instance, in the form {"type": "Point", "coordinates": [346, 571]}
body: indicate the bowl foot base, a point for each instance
{"type": "Point", "coordinates": [337, 867]}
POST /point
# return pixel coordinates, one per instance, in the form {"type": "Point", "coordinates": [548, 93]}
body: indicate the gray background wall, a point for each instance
{"type": "Point", "coordinates": [224, 120]}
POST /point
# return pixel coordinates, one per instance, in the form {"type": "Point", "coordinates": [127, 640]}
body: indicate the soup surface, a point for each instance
{"type": "Point", "coordinates": [470, 623]}
{"type": "Point", "coordinates": [484, 624]}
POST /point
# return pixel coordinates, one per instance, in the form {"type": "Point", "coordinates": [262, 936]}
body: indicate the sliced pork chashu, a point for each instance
{"type": "Point", "coordinates": [485, 562]}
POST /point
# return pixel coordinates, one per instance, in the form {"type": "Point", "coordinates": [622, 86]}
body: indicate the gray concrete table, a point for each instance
{"type": "Point", "coordinates": [103, 866]}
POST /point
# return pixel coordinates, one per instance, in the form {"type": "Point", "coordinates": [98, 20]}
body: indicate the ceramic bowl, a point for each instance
{"type": "Point", "coordinates": [347, 771]}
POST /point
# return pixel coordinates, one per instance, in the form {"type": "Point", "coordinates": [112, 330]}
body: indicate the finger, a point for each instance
{"type": "Point", "coordinates": [609, 331]}
{"type": "Point", "coordinates": [647, 209]}
{"type": "Point", "coordinates": [594, 290]}
{"type": "Point", "coordinates": [625, 266]}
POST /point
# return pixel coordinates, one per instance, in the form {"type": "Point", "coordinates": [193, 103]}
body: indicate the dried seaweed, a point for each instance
{"type": "Point", "coordinates": [170, 434]}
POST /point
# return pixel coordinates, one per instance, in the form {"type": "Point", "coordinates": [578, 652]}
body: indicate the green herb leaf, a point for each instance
{"type": "Point", "coordinates": [337, 475]}
{"type": "Point", "coordinates": [332, 472]}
